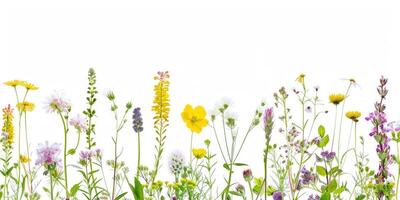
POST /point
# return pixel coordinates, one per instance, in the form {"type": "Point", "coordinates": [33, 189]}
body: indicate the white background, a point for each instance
{"type": "Point", "coordinates": [212, 49]}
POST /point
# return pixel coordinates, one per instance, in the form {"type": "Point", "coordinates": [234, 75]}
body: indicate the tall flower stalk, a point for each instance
{"type": "Point", "coordinates": [90, 113]}
{"type": "Point", "coordinates": [268, 125]}
{"type": "Point", "coordinates": [119, 124]}
{"type": "Point", "coordinates": [138, 128]}
{"type": "Point", "coordinates": [161, 108]}
{"type": "Point", "coordinates": [26, 106]}
{"type": "Point", "coordinates": [383, 186]}
{"type": "Point", "coordinates": [7, 140]}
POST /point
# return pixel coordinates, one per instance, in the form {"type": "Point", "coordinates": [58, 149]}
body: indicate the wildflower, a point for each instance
{"type": "Point", "coordinates": [195, 119]}
{"type": "Point", "coordinates": [199, 153]}
{"type": "Point", "coordinates": [25, 106]}
{"type": "Point", "coordinates": [176, 163]}
{"type": "Point", "coordinates": [247, 175]}
{"type": "Point", "coordinates": [24, 158]}
{"type": "Point", "coordinates": [8, 128]}
{"type": "Point", "coordinates": [57, 104]}
{"type": "Point", "coordinates": [328, 156]}
{"type": "Point", "coordinates": [48, 154]}
{"type": "Point", "coordinates": [85, 156]}
{"type": "Point", "coordinates": [29, 86]}
{"type": "Point", "coordinates": [336, 98]}
{"type": "Point", "coordinates": [137, 120]}
{"type": "Point", "coordinates": [277, 195]}
{"type": "Point", "coordinates": [240, 189]}
{"type": "Point", "coordinates": [162, 76]}
{"type": "Point", "coordinates": [306, 176]}
{"type": "Point", "coordinates": [300, 78]}
{"type": "Point", "coordinates": [316, 88]}
{"type": "Point", "coordinates": [353, 115]}
{"type": "Point", "coordinates": [79, 123]}
{"type": "Point", "coordinates": [231, 119]}
{"type": "Point", "coordinates": [313, 197]}
{"type": "Point", "coordinates": [13, 83]}
{"type": "Point", "coordinates": [268, 118]}
{"type": "Point", "coordinates": [110, 95]}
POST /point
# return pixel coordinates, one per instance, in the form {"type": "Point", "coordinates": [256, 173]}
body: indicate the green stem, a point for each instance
{"type": "Point", "coordinates": [138, 160]}
{"type": "Point", "coordinates": [251, 191]}
{"type": "Point", "coordinates": [51, 186]}
{"type": "Point", "coordinates": [190, 150]}
{"type": "Point", "coordinates": [398, 172]}
{"type": "Point", "coordinates": [30, 181]}
{"type": "Point", "coordinates": [65, 154]}
{"type": "Point", "coordinates": [334, 129]}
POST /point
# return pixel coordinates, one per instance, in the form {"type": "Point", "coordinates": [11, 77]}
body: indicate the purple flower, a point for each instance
{"type": "Point", "coordinates": [48, 154]}
{"type": "Point", "coordinates": [306, 177]}
{"type": "Point", "coordinates": [268, 116]}
{"type": "Point", "coordinates": [308, 109]}
{"type": "Point", "coordinates": [85, 156]}
{"type": "Point", "coordinates": [328, 156]}
{"type": "Point", "coordinates": [313, 197]}
{"type": "Point", "coordinates": [277, 195]}
{"type": "Point", "coordinates": [79, 123]}
{"type": "Point", "coordinates": [137, 120]}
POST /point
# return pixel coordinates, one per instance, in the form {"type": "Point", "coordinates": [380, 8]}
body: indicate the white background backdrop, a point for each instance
{"type": "Point", "coordinates": [212, 50]}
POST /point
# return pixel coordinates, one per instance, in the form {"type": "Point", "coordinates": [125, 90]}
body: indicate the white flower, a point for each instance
{"type": "Point", "coordinates": [224, 103]}
{"type": "Point", "coordinates": [176, 162]}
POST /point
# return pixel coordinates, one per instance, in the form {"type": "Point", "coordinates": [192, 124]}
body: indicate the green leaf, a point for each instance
{"type": "Point", "coordinates": [324, 141]}
{"type": "Point", "coordinates": [75, 189]}
{"type": "Point", "coordinates": [321, 131]}
{"type": "Point", "coordinates": [332, 186]}
{"type": "Point", "coordinates": [138, 190]}
{"type": "Point", "coordinates": [360, 197]}
{"type": "Point", "coordinates": [326, 196]}
{"type": "Point", "coordinates": [120, 196]}
{"type": "Point", "coordinates": [71, 152]}
{"type": "Point", "coordinates": [226, 166]}
{"type": "Point", "coordinates": [321, 170]}
{"type": "Point", "coordinates": [240, 164]}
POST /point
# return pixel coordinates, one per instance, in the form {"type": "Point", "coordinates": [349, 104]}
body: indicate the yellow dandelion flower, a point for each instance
{"type": "Point", "coordinates": [14, 83]}
{"type": "Point", "coordinates": [336, 98]}
{"type": "Point", "coordinates": [29, 86]}
{"type": "Point", "coordinates": [25, 106]}
{"type": "Point", "coordinates": [8, 127]}
{"type": "Point", "coordinates": [300, 78]}
{"type": "Point", "coordinates": [24, 158]}
{"type": "Point", "coordinates": [195, 118]}
{"type": "Point", "coordinates": [353, 115]}
{"type": "Point", "coordinates": [199, 153]}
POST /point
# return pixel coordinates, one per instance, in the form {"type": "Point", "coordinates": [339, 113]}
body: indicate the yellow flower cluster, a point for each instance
{"type": "Point", "coordinates": [195, 118]}
{"type": "Point", "coordinates": [199, 153]}
{"type": "Point", "coordinates": [300, 78]}
{"type": "Point", "coordinates": [161, 98]}
{"type": "Point", "coordinates": [336, 98]}
{"type": "Point", "coordinates": [8, 127]}
{"type": "Point", "coordinates": [353, 115]}
{"type": "Point", "coordinates": [25, 106]}
{"type": "Point", "coordinates": [25, 84]}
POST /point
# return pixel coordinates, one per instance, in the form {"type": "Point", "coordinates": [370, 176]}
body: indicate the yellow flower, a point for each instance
{"type": "Point", "coordinates": [161, 104]}
{"type": "Point", "coordinates": [14, 83]}
{"type": "Point", "coordinates": [24, 158]}
{"type": "Point", "coordinates": [195, 119]}
{"type": "Point", "coordinates": [8, 127]}
{"type": "Point", "coordinates": [25, 106]}
{"type": "Point", "coordinates": [336, 98]}
{"type": "Point", "coordinates": [353, 115]}
{"type": "Point", "coordinates": [29, 86]}
{"type": "Point", "coordinates": [199, 153]}
{"type": "Point", "coordinates": [300, 78]}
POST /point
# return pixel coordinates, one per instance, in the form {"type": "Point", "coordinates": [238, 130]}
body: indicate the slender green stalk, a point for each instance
{"type": "Point", "coordinates": [190, 150]}
{"type": "Point", "coordinates": [51, 186]}
{"type": "Point", "coordinates": [398, 172]}
{"type": "Point", "coordinates": [334, 128]}
{"type": "Point", "coordinates": [30, 181]}
{"type": "Point", "coordinates": [65, 153]}
{"type": "Point", "coordinates": [138, 158]}
{"type": "Point", "coordinates": [250, 189]}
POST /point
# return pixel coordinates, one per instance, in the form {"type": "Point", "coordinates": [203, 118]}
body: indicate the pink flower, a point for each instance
{"type": "Point", "coordinates": [79, 123]}
{"type": "Point", "coordinates": [56, 104]}
{"type": "Point", "coordinates": [48, 154]}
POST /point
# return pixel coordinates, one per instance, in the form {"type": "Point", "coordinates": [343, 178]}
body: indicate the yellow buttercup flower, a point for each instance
{"type": "Point", "coordinates": [300, 78]}
{"type": "Point", "coordinates": [25, 106]}
{"type": "Point", "coordinates": [195, 119]}
{"type": "Point", "coordinates": [199, 153]}
{"type": "Point", "coordinates": [14, 83]}
{"type": "Point", "coordinates": [29, 86]}
{"type": "Point", "coordinates": [353, 115]}
{"type": "Point", "coordinates": [24, 158]}
{"type": "Point", "coordinates": [336, 98]}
